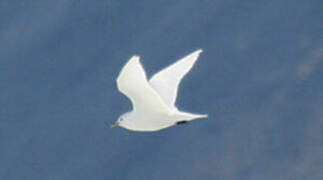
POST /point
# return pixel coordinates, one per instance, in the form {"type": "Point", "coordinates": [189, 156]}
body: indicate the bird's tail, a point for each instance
{"type": "Point", "coordinates": [190, 116]}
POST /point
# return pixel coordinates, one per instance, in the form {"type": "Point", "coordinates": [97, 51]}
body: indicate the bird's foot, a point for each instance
{"type": "Point", "coordinates": [181, 122]}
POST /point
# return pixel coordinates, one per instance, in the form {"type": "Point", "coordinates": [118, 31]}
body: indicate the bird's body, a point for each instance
{"type": "Point", "coordinates": [154, 100]}
{"type": "Point", "coordinates": [147, 121]}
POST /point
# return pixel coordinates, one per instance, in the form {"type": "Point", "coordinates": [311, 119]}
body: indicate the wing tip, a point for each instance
{"type": "Point", "coordinates": [199, 51]}
{"type": "Point", "coordinates": [196, 53]}
{"type": "Point", "coordinates": [135, 57]}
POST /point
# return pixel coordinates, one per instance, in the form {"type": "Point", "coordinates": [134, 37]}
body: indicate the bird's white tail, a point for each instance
{"type": "Point", "coordinates": [189, 116]}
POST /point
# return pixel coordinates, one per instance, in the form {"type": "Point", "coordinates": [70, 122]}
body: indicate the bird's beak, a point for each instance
{"type": "Point", "coordinates": [114, 125]}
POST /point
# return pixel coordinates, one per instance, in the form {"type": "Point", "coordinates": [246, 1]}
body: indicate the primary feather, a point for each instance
{"type": "Point", "coordinates": [166, 81]}
{"type": "Point", "coordinates": [132, 82]}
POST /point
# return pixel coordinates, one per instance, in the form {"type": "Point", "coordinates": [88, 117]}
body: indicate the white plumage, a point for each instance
{"type": "Point", "coordinates": [153, 101]}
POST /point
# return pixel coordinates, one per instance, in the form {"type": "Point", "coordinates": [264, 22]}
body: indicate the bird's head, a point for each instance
{"type": "Point", "coordinates": [122, 120]}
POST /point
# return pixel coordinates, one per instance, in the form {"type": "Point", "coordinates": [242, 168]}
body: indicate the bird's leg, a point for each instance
{"type": "Point", "coordinates": [181, 122]}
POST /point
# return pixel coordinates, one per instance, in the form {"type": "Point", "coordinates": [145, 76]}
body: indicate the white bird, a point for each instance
{"type": "Point", "coordinates": [153, 101]}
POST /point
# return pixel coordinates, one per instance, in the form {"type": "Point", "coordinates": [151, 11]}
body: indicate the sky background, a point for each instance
{"type": "Point", "coordinates": [260, 79]}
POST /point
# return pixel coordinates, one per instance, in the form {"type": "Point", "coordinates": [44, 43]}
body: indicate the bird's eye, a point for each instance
{"type": "Point", "coordinates": [121, 119]}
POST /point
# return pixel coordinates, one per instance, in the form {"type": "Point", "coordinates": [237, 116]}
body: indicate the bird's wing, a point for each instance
{"type": "Point", "coordinates": [166, 81]}
{"type": "Point", "coordinates": [132, 82]}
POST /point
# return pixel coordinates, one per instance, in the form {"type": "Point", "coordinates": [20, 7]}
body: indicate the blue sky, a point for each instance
{"type": "Point", "coordinates": [260, 79]}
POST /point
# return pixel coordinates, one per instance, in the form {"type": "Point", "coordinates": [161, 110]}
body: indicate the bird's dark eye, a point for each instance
{"type": "Point", "coordinates": [121, 119]}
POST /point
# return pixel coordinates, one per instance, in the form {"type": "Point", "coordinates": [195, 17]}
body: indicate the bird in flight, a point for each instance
{"type": "Point", "coordinates": [153, 100]}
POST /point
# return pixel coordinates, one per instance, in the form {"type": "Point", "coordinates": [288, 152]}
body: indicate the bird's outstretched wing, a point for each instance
{"type": "Point", "coordinates": [166, 81]}
{"type": "Point", "coordinates": [132, 82]}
